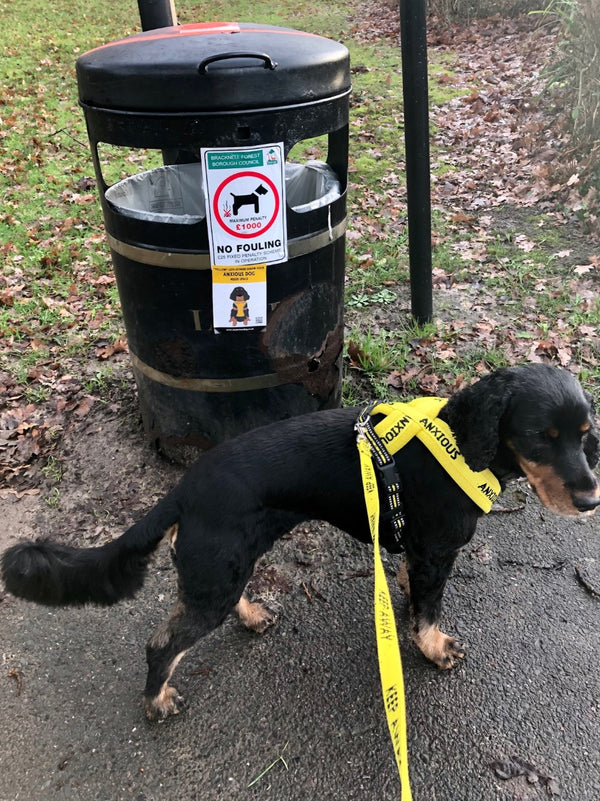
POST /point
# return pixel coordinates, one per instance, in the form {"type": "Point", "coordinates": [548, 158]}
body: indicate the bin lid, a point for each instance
{"type": "Point", "coordinates": [216, 66]}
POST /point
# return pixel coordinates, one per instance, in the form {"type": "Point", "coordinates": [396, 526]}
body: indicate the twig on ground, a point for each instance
{"type": "Point", "coordinates": [270, 767]}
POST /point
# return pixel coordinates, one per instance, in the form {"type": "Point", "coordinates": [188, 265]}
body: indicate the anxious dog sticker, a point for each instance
{"type": "Point", "coordinates": [239, 297]}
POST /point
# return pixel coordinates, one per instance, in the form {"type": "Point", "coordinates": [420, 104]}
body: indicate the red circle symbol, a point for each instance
{"type": "Point", "coordinates": [262, 180]}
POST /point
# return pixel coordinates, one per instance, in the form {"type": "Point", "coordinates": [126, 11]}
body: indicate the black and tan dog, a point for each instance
{"type": "Point", "coordinates": [533, 420]}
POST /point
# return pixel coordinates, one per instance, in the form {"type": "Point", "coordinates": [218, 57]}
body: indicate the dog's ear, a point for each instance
{"type": "Point", "coordinates": [474, 416]}
{"type": "Point", "coordinates": [591, 442]}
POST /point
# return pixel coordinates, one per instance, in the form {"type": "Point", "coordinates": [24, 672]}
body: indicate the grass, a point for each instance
{"type": "Point", "coordinates": [379, 352]}
{"type": "Point", "coordinates": [58, 297]}
{"type": "Point", "coordinates": [58, 300]}
{"type": "Point", "coordinates": [270, 767]}
{"type": "Point", "coordinates": [52, 470]}
{"type": "Point", "coordinates": [54, 256]}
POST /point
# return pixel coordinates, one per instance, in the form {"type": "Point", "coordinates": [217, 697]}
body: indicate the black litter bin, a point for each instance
{"type": "Point", "coordinates": [221, 85]}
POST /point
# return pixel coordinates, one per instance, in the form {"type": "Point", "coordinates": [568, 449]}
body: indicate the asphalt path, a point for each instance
{"type": "Point", "coordinates": [301, 705]}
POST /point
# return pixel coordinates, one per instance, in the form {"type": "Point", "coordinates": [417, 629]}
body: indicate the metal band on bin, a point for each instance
{"type": "Point", "coordinates": [201, 261]}
{"type": "Point", "coordinates": [207, 384]}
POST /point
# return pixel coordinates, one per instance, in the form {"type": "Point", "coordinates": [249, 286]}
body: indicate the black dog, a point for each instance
{"type": "Point", "coordinates": [534, 420]}
{"type": "Point", "coordinates": [239, 311]}
{"type": "Point", "coordinates": [248, 200]}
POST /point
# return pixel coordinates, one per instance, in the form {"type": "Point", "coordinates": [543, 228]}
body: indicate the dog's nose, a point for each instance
{"type": "Point", "coordinates": [586, 503]}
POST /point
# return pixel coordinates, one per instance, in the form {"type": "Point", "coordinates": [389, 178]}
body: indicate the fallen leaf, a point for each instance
{"type": "Point", "coordinates": [429, 384]}
{"type": "Point", "coordinates": [356, 354]}
{"type": "Point", "coordinates": [84, 407]}
{"type": "Point", "coordinates": [394, 379]}
{"type": "Point", "coordinates": [118, 346]}
{"type": "Point", "coordinates": [523, 243]}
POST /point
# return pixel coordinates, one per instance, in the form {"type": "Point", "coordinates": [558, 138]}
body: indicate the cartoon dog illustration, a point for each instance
{"type": "Point", "coordinates": [239, 311]}
{"type": "Point", "coordinates": [248, 200]}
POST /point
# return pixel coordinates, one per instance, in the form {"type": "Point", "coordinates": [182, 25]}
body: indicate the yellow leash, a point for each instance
{"type": "Point", "coordinates": [388, 650]}
{"type": "Point", "coordinates": [402, 422]}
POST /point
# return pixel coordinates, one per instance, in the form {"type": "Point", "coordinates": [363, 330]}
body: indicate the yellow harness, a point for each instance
{"type": "Point", "coordinates": [419, 418]}
{"type": "Point", "coordinates": [240, 308]}
{"type": "Point", "coordinates": [401, 423]}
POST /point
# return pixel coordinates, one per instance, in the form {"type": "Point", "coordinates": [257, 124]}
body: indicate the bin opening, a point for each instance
{"type": "Point", "coordinates": [170, 194]}
{"type": "Point", "coordinates": [174, 193]}
{"type": "Point", "coordinates": [310, 185]}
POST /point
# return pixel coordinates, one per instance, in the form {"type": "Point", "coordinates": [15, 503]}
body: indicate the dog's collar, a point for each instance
{"type": "Point", "coordinates": [403, 421]}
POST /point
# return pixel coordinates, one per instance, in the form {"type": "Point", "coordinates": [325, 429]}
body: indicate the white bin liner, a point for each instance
{"type": "Point", "coordinates": [171, 194]}
{"type": "Point", "coordinates": [174, 193]}
{"type": "Point", "coordinates": [311, 185]}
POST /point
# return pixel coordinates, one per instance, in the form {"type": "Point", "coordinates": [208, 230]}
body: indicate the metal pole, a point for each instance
{"type": "Point", "coordinates": [413, 33]}
{"type": "Point", "coordinates": [160, 14]}
{"type": "Point", "coordinates": [157, 14]}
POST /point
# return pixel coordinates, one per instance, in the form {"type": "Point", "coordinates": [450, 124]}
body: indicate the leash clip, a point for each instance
{"type": "Point", "coordinates": [362, 426]}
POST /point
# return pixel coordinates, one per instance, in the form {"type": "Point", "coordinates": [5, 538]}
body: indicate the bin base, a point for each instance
{"type": "Point", "coordinates": [182, 423]}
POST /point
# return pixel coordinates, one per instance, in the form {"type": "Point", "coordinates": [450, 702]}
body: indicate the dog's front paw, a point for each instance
{"type": "Point", "coordinates": [167, 702]}
{"type": "Point", "coordinates": [437, 646]}
{"type": "Point", "coordinates": [452, 651]}
{"type": "Point", "coordinates": [265, 618]}
{"type": "Point", "coordinates": [256, 616]}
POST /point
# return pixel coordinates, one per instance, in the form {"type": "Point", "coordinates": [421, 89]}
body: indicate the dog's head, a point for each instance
{"type": "Point", "coordinates": [535, 420]}
{"type": "Point", "coordinates": [239, 293]}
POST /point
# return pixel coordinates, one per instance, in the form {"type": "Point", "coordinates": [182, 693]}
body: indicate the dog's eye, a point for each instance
{"type": "Point", "coordinates": [585, 427]}
{"type": "Point", "coordinates": [552, 433]}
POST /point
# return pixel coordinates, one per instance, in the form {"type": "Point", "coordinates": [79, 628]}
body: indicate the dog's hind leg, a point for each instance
{"type": "Point", "coordinates": [165, 649]}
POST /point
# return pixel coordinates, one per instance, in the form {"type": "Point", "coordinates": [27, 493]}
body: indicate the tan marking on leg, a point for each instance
{"type": "Point", "coordinates": [255, 616]}
{"type": "Point", "coordinates": [402, 578]}
{"type": "Point", "coordinates": [162, 635]}
{"type": "Point", "coordinates": [172, 535]}
{"type": "Point", "coordinates": [437, 646]}
{"type": "Point", "coordinates": [167, 701]}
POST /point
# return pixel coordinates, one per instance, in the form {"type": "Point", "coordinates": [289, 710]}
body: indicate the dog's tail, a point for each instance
{"type": "Point", "coordinates": [59, 575]}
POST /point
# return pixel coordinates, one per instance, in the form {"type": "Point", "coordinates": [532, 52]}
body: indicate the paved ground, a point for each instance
{"type": "Point", "coordinates": [521, 598]}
